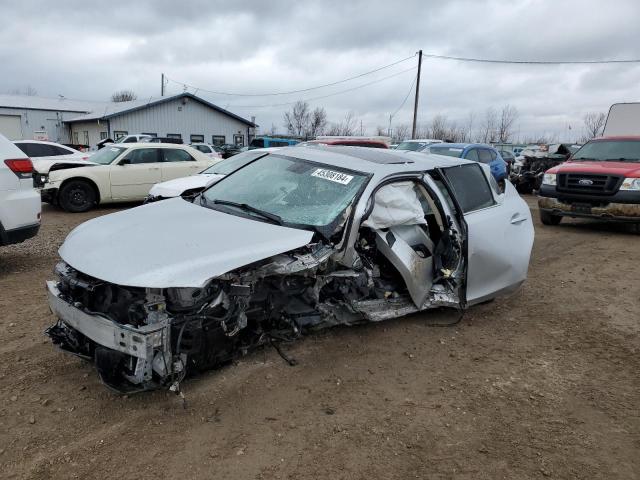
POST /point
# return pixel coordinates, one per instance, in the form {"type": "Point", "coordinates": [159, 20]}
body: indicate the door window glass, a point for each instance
{"type": "Point", "coordinates": [470, 187]}
{"type": "Point", "coordinates": [175, 155]}
{"type": "Point", "coordinates": [143, 155]}
{"type": "Point", "coordinates": [484, 155]}
{"type": "Point", "coordinates": [472, 155]}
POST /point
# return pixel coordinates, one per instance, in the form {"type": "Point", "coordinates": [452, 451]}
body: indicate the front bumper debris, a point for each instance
{"type": "Point", "coordinates": [142, 354]}
{"type": "Point", "coordinates": [615, 212]}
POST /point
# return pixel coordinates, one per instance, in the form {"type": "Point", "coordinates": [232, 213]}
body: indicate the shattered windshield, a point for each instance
{"type": "Point", "coordinates": [297, 191]}
{"type": "Point", "coordinates": [610, 151]}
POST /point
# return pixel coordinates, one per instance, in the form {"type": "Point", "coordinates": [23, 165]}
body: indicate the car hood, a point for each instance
{"type": "Point", "coordinates": [625, 169]}
{"type": "Point", "coordinates": [174, 188]}
{"type": "Point", "coordinates": [45, 166]}
{"type": "Point", "coordinates": [173, 243]}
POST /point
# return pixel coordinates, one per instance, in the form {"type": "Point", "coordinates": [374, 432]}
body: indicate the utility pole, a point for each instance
{"type": "Point", "coordinates": [415, 105]}
{"type": "Point", "coordinates": [162, 85]}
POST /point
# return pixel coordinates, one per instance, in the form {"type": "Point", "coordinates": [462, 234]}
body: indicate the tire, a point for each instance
{"type": "Point", "coordinates": [77, 196]}
{"type": "Point", "coordinates": [524, 188]}
{"type": "Point", "coordinates": [549, 219]}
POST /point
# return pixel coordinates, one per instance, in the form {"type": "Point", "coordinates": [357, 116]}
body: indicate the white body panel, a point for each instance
{"type": "Point", "coordinates": [19, 202]}
{"type": "Point", "coordinates": [173, 244]}
{"type": "Point", "coordinates": [499, 247]}
{"type": "Point", "coordinates": [623, 119]}
{"type": "Point", "coordinates": [176, 187]}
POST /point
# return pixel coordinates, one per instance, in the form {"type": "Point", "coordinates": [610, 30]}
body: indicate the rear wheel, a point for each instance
{"type": "Point", "coordinates": [77, 196]}
{"type": "Point", "coordinates": [548, 218]}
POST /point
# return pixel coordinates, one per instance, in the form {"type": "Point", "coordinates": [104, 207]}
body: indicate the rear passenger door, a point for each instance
{"type": "Point", "coordinates": [179, 163]}
{"type": "Point", "coordinates": [135, 173]}
{"type": "Point", "coordinates": [500, 233]}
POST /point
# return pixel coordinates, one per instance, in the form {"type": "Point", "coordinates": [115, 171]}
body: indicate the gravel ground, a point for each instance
{"type": "Point", "coordinates": [543, 384]}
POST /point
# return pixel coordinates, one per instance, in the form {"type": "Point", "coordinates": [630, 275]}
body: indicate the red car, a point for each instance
{"type": "Point", "coordinates": [601, 180]}
{"type": "Point", "coordinates": [348, 141]}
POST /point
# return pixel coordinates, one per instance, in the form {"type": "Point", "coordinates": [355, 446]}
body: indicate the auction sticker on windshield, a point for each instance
{"type": "Point", "coordinates": [332, 176]}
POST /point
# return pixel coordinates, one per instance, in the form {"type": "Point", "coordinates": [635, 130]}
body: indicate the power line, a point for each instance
{"type": "Point", "coordinates": [406, 97]}
{"type": "Point", "coordinates": [528, 62]}
{"type": "Point", "coordinates": [292, 91]}
{"type": "Point", "coordinates": [325, 96]}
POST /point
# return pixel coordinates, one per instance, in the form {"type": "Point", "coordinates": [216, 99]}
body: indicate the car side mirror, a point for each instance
{"type": "Point", "coordinates": [124, 161]}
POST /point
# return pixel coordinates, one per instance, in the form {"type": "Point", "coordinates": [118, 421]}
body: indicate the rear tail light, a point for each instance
{"type": "Point", "coordinates": [22, 167]}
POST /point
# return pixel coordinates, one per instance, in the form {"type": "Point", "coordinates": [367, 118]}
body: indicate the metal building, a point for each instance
{"type": "Point", "coordinates": [184, 116]}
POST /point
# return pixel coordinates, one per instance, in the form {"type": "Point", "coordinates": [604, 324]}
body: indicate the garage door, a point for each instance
{"type": "Point", "coordinates": [10, 127]}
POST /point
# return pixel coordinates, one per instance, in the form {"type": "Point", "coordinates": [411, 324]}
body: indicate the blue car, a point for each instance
{"type": "Point", "coordinates": [477, 152]}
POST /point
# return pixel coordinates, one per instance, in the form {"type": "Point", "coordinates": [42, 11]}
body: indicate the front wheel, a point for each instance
{"type": "Point", "coordinates": [548, 218]}
{"type": "Point", "coordinates": [77, 196]}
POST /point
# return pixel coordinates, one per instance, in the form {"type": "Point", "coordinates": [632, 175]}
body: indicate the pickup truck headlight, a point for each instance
{"type": "Point", "coordinates": [630, 184]}
{"type": "Point", "coordinates": [549, 179]}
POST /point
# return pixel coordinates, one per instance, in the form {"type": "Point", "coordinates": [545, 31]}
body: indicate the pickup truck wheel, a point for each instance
{"type": "Point", "coordinates": [77, 196]}
{"type": "Point", "coordinates": [549, 219]}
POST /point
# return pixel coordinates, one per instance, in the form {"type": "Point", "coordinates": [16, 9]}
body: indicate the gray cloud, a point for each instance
{"type": "Point", "coordinates": [85, 51]}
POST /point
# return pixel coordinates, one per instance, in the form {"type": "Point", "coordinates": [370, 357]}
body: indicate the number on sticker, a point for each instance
{"type": "Point", "coordinates": [332, 176]}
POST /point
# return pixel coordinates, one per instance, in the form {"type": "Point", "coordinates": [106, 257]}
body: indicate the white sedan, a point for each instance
{"type": "Point", "coordinates": [40, 151]}
{"type": "Point", "coordinates": [194, 184]}
{"type": "Point", "coordinates": [117, 173]}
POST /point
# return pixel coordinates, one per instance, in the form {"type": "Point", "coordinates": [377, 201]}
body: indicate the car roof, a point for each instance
{"type": "Point", "coordinates": [460, 145]}
{"type": "Point", "coordinates": [149, 145]}
{"type": "Point", "coordinates": [372, 160]}
{"type": "Point", "coordinates": [617, 137]}
{"type": "Point", "coordinates": [421, 140]}
{"type": "Point", "coordinates": [41, 142]}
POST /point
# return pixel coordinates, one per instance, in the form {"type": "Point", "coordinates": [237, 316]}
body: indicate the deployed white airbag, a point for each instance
{"type": "Point", "coordinates": [396, 204]}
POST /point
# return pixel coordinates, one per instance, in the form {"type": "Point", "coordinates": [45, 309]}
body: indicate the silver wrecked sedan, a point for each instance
{"type": "Point", "coordinates": [295, 240]}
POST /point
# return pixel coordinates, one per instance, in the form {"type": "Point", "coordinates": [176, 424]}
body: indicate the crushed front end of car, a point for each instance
{"type": "Point", "coordinates": [148, 338]}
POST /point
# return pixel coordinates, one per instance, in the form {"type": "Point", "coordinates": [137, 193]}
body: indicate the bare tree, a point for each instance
{"type": "Point", "coordinates": [317, 122]}
{"type": "Point", "coordinates": [439, 127]}
{"type": "Point", "coordinates": [488, 130]}
{"type": "Point", "coordinates": [593, 124]}
{"type": "Point", "coordinates": [123, 96]}
{"type": "Point", "coordinates": [401, 132]}
{"type": "Point", "coordinates": [297, 120]}
{"type": "Point", "coordinates": [469, 126]}
{"type": "Point", "coordinates": [346, 127]}
{"type": "Point", "coordinates": [508, 116]}
{"type": "Point", "coordinates": [381, 131]}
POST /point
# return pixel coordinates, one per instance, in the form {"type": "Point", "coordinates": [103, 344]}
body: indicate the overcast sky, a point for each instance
{"type": "Point", "coordinates": [70, 48]}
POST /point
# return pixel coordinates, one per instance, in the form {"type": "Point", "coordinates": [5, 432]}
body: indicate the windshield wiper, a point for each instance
{"type": "Point", "coordinates": [246, 207]}
{"type": "Point", "coordinates": [622, 160]}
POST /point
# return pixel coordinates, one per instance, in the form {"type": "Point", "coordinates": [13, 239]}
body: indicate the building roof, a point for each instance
{"type": "Point", "coordinates": [111, 109]}
{"type": "Point", "coordinates": [61, 104]}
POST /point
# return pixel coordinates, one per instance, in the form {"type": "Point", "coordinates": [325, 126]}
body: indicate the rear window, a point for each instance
{"type": "Point", "coordinates": [448, 151]}
{"type": "Point", "coordinates": [36, 150]}
{"type": "Point", "coordinates": [470, 186]}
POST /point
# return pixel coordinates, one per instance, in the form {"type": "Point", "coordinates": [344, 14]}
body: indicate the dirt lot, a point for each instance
{"type": "Point", "coordinates": [542, 384]}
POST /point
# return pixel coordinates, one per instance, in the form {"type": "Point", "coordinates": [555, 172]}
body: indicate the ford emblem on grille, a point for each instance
{"type": "Point", "coordinates": [585, 181]}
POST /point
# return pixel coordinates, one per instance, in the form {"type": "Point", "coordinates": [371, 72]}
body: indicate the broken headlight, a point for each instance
{"type": "Point", "coordinates": [549, 179]}
{"type": "Point", "coordinates": [631, 184]}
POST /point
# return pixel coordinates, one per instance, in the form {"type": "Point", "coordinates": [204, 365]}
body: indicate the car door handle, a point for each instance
{"type": "Point", "coordinates": [517, 218]}
{"type": "Point", "coordinates": [155, 168]}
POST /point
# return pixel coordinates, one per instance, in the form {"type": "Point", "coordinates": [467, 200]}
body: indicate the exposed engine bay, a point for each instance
{"type": "Point", "coordinates": [143, 338]}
